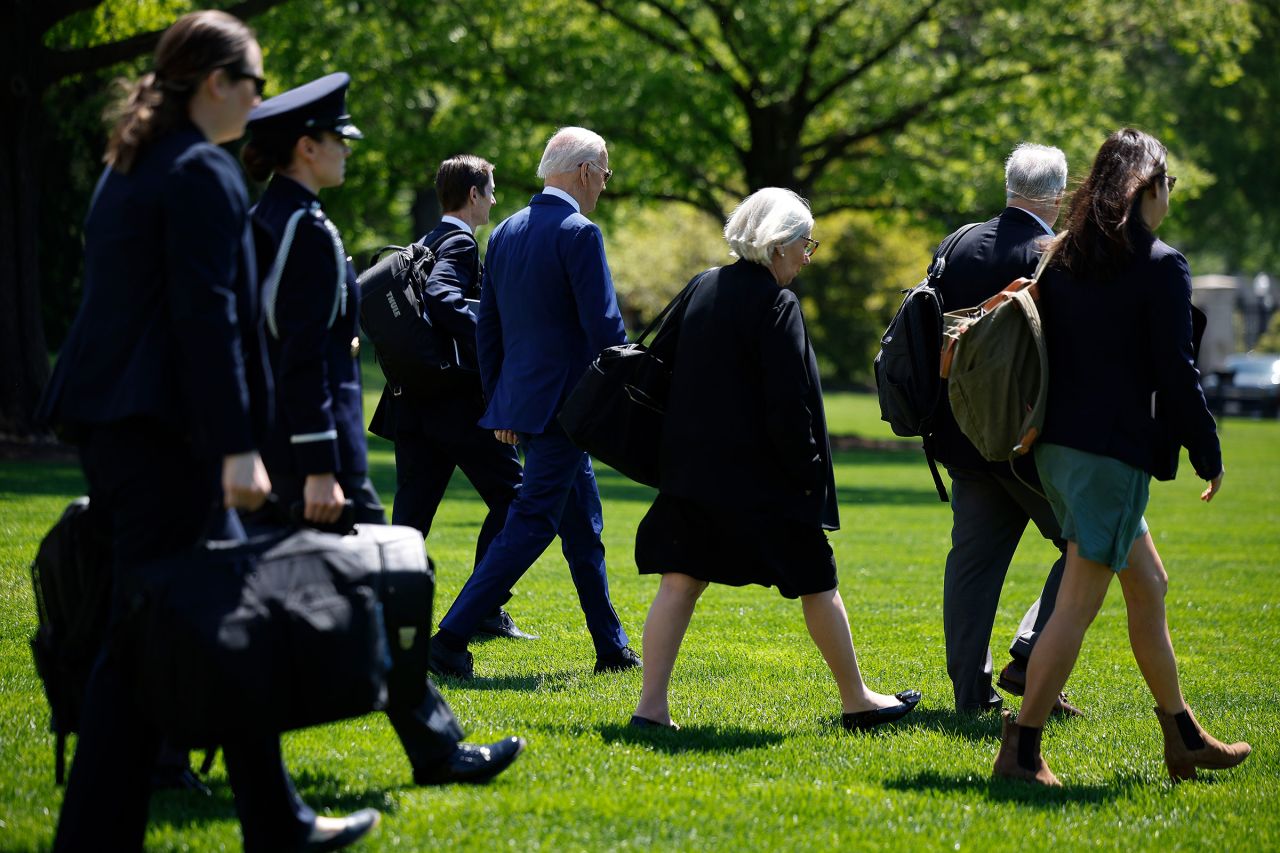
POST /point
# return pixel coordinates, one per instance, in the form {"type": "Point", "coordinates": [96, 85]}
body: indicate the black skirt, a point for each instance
{"type": "Point", "coordinates": [734, 547]}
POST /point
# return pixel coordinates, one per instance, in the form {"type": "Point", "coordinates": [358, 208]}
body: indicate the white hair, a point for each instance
{"type": "Point", "coordinates": [569, 147]}
{"type": "Point", "coordinates": [1037, 173]}
{"type": "Point", "coordinates": [765, 220]}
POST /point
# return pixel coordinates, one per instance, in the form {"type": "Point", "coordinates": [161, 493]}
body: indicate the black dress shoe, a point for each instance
{"type": "Point", "coordinates": [178, 779]}
{"type": "Point", "coordinates": [1013, 679]}
{"type": "Point", "coordinates": [471, 763]}
{"type": "Point", "coordinates": [351, 829]}
{"type": "Point", "coordinates": [445, 661]}
{"type": "Point", "coordinates": [646, 723]}
{"type": "Point", "coordinates": [865, 720]}
{"type": "Point", "coordinates": [501, 624]}
{"type": "Point", "coordinates": [624, 658]}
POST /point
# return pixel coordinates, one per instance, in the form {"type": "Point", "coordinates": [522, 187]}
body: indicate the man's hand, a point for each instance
{"type": "Point", "coordinates": [245, 484]}
{"type": "Point", "coordinates": [322, 498]}
{"type": "Point", "coordinates": [506, 436]}
{"type": "Point", "coordinates": [1214, 485]}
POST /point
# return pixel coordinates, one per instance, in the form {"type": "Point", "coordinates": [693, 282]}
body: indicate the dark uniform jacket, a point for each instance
{"type": "Point", "coordinates": [745, 426]}
{"type": "Point", "coordinates": [311, 302]}
{"type": "Point", "coordinates": [1122, 376]}
{"type": "Point", "coordinates": [454, 279]}
{"type": "Point", "coordinates": [168, 330]}
{"type": "Point", "coordinates": [983, 263]}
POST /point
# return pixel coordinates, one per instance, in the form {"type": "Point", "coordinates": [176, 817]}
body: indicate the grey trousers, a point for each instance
{"type": "Point", "coordinates": [989, 513]}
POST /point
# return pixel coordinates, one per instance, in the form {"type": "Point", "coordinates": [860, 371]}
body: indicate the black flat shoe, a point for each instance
{"type": "Point", "coordinates": [349, 830]}
{"type": "Point", "coordinates": [646, 723]}
{"type": "Point", "coordinates": [866, 720]}
{"type": "Point", "coordinates": [623, 659]}
{"type": "Point", "coordinates": [443, 661]}
{"type": "Point", "coordinates": [500, 624]}
{"type": "Point", "coordinates": [472, 764]}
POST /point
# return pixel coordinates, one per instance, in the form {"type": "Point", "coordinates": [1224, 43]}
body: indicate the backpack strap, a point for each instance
{"type": "Point", "coordinates": [939, 264]}
{"type": "Point", "coordinates": [933, 469]}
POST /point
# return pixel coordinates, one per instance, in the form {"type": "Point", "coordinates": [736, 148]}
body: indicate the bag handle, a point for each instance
{"type": "Point", "coordinates": [683, 297]}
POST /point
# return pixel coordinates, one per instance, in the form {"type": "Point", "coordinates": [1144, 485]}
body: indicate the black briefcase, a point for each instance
{"type": "Point", "coordinates": [616, 410]}
{"type": "Point", "coordinates": [282, 632]}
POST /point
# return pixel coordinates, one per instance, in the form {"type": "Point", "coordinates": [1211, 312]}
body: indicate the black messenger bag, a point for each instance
{"type": "Point", "coordinates": [615, 412]}
{"type": "Point", "coordinates": [282, 632]}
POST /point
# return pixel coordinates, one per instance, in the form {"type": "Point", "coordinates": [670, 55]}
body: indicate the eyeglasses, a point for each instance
{"type": "Point", "coordinates": [810, 246]}
{"type": "Point", "coordinates": [236, 73]}
{"type": "Point", "coordinates": [608, 173]}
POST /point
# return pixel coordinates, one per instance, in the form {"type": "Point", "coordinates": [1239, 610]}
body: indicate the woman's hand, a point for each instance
{"type": "Point", "coordinates": [1214, 485]}
{"type": "Point", "coordinates": [322, 498]}
{"type": "Point", "coordinates": [245, 484]}
{"type": "Point", "coordinates": [506, 436]}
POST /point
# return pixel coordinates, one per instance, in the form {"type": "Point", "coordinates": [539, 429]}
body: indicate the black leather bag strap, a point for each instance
{"type": "Point", "coordinates": [939, 264]}
{"type": "Point", "coordinates": [674, 308]}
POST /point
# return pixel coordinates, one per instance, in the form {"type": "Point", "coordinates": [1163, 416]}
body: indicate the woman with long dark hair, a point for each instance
{"type": "Point", "coordinates": [164, 386]}
{"type": "Point", "coordinates": [1124, 397]}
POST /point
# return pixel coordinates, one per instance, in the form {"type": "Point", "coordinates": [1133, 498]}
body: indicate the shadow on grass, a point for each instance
{"type": "Point", "coordinates": [36, 478]}
{"type": "Point", "coordinates": [968, 726]}
{"type": "Point", "coordinates": [321, 791]}
{"type": "Point", "coordinates": [1013, 791]}
{"type": "Point", "coordinates": [691, 738]}
{"type": "Point", "coordinates": [550, 682]}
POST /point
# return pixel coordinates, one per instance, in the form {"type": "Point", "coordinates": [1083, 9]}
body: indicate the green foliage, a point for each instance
{"type": "Point", "coordinates": [655, 250]}
{"type": "Point", "coordinates": [854, 284]}
{"type": "Point", "coordinates": [761, 763]}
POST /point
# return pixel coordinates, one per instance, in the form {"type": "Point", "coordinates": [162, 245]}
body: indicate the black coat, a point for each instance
{"type": "Point", "coordinates": [454, 279]}
{"type": "Point", "coordinates": [311, 304]}
{"type": "Point", "coordinates": [745, 425]}
{"type": "Point", "coordinates": [982, 264]}
{"type": "Point", "coordinates": [169, 327]}
{"type": "Point", "coordinates": [1119, 352]}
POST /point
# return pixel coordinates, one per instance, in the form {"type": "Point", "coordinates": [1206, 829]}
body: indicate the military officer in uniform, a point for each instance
{"type": "Point", "coordinates": [317, 452]}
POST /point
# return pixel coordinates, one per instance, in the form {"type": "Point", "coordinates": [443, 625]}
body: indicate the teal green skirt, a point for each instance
{"type": "Point", "coordinates": [1098, 500]}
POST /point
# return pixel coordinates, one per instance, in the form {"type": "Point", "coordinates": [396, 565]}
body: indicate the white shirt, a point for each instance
{"type": "Point", "coordinates": [460, 223]}
{"type": "Point", "coordinates": [1043, 224]}
{"type": "Point", "coordinates": [559, 193]}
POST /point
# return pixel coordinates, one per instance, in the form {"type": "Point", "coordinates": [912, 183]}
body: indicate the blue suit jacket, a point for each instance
{"type": "Point", "coordinates": [547, 309]}
{"type": "Point", "coordinates": [311, 307]}
{"type": "Point", "coordinates": [170, 325]}
{"type": "Point", "coordinates": [1122, 376]}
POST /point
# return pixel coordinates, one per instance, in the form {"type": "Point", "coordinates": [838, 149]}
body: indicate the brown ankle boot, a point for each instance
{"type": "Point", "coordinates": [1187, 746]}
{"type": "Point", "coordinates": [1016, 739]}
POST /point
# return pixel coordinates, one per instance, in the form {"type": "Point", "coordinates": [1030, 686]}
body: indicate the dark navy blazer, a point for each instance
{"type": "Point", "coordinates": [1121, 350]}
{"type": "Point", "coordinates": [745, 424]}
{"type": "Point", "coordinates": [454, 279]}
{"type": "Point", "coordinates": [547, 309]}
{"type": "Point", "coordinates": [983, 263]}
{"type": "Point", "coordinates": [311, 304]}
{"type": "Point", "coordinates": [169, 326]}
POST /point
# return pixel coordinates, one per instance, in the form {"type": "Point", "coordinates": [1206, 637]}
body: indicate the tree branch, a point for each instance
{"type": "Point", "coordinates": [67, 63]}
{"type": "Point", "coordinates": [890, 44]}
{"type": "Point", "coordinates": [815, 38]}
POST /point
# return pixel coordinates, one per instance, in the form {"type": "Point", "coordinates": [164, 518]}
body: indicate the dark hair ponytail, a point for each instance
{"type": "Point", "coordinates": [267, 153]}
{"type": "Point", "coordinates": [195, 45]}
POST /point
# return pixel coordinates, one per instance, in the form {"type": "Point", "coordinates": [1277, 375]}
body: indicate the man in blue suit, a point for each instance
{"type": "Point", "coordinates": [546, 310]}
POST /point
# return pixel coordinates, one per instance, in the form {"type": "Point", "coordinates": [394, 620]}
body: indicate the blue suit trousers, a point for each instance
{"type": "Point", "coordinates": [558, 498]}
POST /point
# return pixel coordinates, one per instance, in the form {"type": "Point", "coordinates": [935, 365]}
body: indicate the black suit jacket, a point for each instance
{"type": "Point", "coordinates": [1119, 352]}
{"type": "Point", "coordinates": [745, 425]}
{"type": "Point", "coordinates": [170, 324]}
{"type": "Point", "coordinates": [454, 279]}
{"type": "Point", "coordinates": [985, 260]}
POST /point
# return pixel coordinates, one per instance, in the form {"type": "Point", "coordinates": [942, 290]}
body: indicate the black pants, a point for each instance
{"type": "Point", "coordinates": [989, 513]}
{"type": "Point", "coordinates": [425, 464]}
{"type": "Point", "coordinates": [157, 496]}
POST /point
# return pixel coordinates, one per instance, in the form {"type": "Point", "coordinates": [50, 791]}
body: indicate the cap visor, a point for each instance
{"type": "Point", "coordinates": [348, 131]}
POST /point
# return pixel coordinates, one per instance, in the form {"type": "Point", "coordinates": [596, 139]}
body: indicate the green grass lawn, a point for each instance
{"type": "Point", "coordinates": [761, 762]}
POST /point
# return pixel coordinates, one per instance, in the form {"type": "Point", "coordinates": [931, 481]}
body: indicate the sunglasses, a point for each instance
{"type": "Point", "coordinates": [236, 73]}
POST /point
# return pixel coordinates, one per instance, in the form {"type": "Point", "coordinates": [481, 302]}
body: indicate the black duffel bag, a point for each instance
{"type": "Point", "coordinates": [414, 355]}
{"type": "Point", "coordinates": [615, 411]}
{"type": "Point", "coordinates": [278, 633]}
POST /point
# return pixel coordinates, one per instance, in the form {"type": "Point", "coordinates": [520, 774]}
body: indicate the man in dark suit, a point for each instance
{"type": "Point", "coordinates": [546, 310]}
{"type": "Point", "coordinates": [434, 436]}
{"type": "Point", "coordinates": [990, 506]}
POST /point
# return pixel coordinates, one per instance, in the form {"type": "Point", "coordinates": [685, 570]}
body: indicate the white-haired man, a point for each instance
{"type": "Point", "coordinates": [547, 309]}
{"type": "Point", "coordinates": [990, 506]}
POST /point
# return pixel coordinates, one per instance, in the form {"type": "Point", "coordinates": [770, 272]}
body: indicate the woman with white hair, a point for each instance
{"type": "Point", "coordinates": [747, 488]}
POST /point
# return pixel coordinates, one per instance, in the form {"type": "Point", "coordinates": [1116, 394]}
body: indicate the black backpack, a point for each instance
{"type": "Point", "coordinates": [414, 355]}
{"type": "Point", "coordinates": [906, 368]}
{"type": "Point", "coordinates": [71, 575]}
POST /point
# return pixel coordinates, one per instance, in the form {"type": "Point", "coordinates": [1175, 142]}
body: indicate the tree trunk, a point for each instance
{"type": "Point", "coordinates": [23, 355]}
